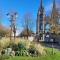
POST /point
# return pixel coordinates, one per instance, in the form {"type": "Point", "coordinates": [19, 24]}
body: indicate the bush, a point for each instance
{"type": "Point", "coordinates": [22, 49]}
{"type": "Point", "coordinates": [32, 51]}
{"type": "Point", "coordinates": [3, 32]}
{"type": "Point", "coordinates": [21, 46]}
{"type": "Point", "coordinates": [3, 52]}
{"type": "Point", "coordinates": [13, 46]}
{"type": "Point", "coordinates": [17, 53]}
{"type": "Point", "coordinates": [17, 47]}
{"type": "Point", "coordinates": [3, 57]}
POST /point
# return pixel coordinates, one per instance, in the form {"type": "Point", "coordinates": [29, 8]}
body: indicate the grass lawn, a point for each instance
{"type": "Point", "coordinates": [54, 57]}
{"type": "Point", "coordinates": [49, 56]}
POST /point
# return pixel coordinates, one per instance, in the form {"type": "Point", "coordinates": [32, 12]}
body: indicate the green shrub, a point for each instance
{"type": "Point", "coordinates": [32, 51]}
{"type": "Point", "coordinates": [3, 57]}
{"type": "Point", "coordinates": [21, 46]}
{"type": "Point", "coordinates": [15, 47]}
{"type": "Point", "coordinates": [22, 49]}
{"type": "Point", "coordinates": [17, 53]}
{"type": "Point", "coordinates": [3, 52]}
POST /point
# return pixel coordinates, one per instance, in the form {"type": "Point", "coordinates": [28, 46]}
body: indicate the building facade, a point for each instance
{"type": "Point", "coordinates": [51, 24]}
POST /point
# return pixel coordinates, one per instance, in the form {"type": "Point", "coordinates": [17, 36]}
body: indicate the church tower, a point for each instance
{"type": "Point", "coordinates": [54, 18]}
{"type": "Point", "coordinates": [39, 22]}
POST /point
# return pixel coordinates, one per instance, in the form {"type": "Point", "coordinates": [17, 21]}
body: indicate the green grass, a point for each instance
{"type": "Point", "coordinates": [49, 56]}
{"type": "Point", "coordinates": [52, 57]}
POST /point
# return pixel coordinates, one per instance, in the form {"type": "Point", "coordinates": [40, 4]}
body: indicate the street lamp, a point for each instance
{"type": "Point", "coordinates": [12, 16]}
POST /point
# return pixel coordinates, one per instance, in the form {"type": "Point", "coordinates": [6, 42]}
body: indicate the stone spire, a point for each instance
{"type": "Point", "coordinates": [54, 10]}
{"type": "Point", "coordinates": [53, 14]}
{"type": "Point", "coordinates": [41, 4]}
{"type": "Point", "coordinates": [40, 18]}
{"type": "Point", "coordinates": [54, 17]}
{"type": "Point", "coordinates": [54, 5]}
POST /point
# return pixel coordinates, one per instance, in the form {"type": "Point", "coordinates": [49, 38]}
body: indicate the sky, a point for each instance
{"type": "Point", "coordinates": [22, 7]}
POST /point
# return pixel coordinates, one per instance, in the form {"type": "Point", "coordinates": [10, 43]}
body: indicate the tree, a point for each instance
{"type": "Point", "coordinates": [3, 33]}
{"type": "Point", "coordinates": [24, 33]}
{"type": "Point", "coordinates": [28, 23]}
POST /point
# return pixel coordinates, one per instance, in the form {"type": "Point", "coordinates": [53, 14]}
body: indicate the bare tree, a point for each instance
{"type": "Point", "coordinates": [28, 23]}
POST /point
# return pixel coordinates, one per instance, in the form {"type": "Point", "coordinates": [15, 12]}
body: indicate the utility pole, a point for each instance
{"type": "Point", "coordinates": [12, 16]}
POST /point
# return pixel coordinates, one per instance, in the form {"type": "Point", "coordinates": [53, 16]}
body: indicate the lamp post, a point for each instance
{"type": "Point", "coordinates": [12, 18]}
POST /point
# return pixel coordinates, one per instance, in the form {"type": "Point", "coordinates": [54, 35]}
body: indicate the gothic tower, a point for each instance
{"type": "Point", "coordinates": [54, 18]}
{"type": "Point", "coordinates": [39, 22]}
